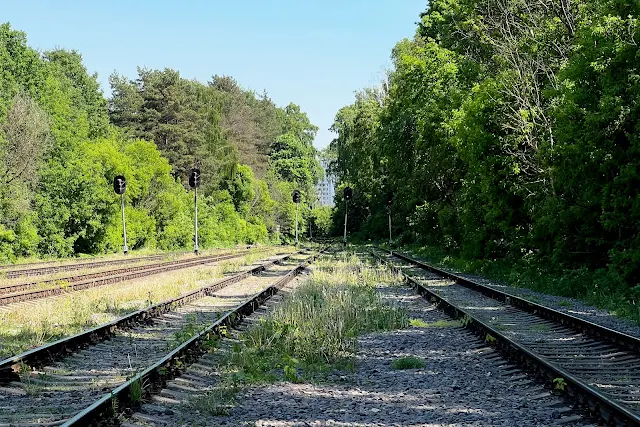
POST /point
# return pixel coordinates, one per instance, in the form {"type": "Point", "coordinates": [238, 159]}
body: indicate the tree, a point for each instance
{"type": "Point", "coordinates": [25, 140]}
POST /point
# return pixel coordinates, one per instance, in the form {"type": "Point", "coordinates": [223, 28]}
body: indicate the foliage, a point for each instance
{"type": "Point", "coordinates": [507, 133]}
{"type": "Point", "coordinates": [62, 142]}
{"type": "Point", "coordinates": [321, 221]}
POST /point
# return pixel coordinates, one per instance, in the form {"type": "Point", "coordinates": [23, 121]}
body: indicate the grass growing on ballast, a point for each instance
{"type": "Point", "coordinates": [408, 362]}
{"type": "Point", "coordinates": [313, 331]}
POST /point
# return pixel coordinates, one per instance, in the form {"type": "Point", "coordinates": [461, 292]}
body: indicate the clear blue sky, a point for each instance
{"type": "Point", "coordinates": [313, 53]}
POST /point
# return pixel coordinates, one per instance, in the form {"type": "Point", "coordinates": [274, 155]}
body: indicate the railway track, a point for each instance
{"type": "Point", "coordinates": [41, 268]}
{"type": "Point", "coordinates": [84, 378]}
{"type": "Point", "coordinates": [12, 273]}
{"type": "Point", "coordinates": [595, 367]}
{"type": "Point", "coordinates": [19, 292]}
{"type": "Point", "coordinates": [170, 405]}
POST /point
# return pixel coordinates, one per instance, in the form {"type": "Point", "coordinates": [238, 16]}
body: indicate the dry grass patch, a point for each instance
{"type": "Point", "coordinates": [24, 326]}
{"type": "Point", "coordinates": [88, 270]}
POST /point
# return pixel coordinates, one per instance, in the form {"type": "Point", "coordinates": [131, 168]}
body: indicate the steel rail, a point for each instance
{"type": "Point", "coordinates": [10, 367]}
{"type": "Point", "coordinates": [607, 408]}
{"type": "Point", "coordinates": [41, 271]}
{"type": "Point", "coordinates": [583, 326]}
{"type": "Point", "coordinates": [17, 287]}
{"type": "Point", "coordinates": [156, 375]}
{"type": "Point", "coordinates": [43, 265]}
{"type": "Point", "coordinates": [103, 278]}
{"type": "Point", "coordinates": [38, 265]}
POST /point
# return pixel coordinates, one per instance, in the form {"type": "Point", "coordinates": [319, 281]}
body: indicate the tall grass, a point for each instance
{"type": "Point", "coordinates": [313, 331]}
{"type": "Point", "coordinates": [321, 320]}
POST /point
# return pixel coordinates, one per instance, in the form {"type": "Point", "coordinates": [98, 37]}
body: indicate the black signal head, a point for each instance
{"type": "Point", "coordinates": [119, 184]}
{"type": "Point", "coordinates": [194, 178]}
{"type": "Point", "coordinates": [348, 193]}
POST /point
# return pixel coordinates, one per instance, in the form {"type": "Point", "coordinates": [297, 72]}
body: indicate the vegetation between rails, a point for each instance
{"type": "Point", "coordinates": [408, 362]}
{"type": "Point", "coordinates": [311, 333]}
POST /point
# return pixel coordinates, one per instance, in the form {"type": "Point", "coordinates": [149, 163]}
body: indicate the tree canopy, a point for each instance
{"type": "Point", "coordinates": [62, 142]}
{"type": "Point", "coordinates": [506, 131]}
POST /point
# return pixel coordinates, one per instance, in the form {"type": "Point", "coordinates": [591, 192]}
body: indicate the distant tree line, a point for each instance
{"type": "Point", "coordinates": [62, 142]}
{"type": "Point", "coordinates": [507, 130]}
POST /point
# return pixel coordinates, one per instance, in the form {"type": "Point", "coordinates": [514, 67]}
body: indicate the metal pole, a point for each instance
{"type": "Point", "coordinates": [195, 220]}
{"type": "Point", "coordinates": [124, 225]}
{"type": "Point", "coordinates": [346, 208]}
{"type": "Point", "coordinates": [389, 226]}
{"type": "Point", "coordinates": [297, 204]}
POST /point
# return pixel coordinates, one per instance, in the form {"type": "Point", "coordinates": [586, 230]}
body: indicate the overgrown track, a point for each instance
{"type": "Point", "coordinates": [46, 288]}
{"type": "Point", "coordinates": [79, 389]}
{"type": "Point", "coordinates": [593, 365]}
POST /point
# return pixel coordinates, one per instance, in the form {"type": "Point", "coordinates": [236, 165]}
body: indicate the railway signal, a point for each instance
{"type": "Point", "coordinates": [348, 195]}
{"type": "Point", "coordinates": [296, 196]}
{"type": "Point", "coordinates": [194, 178]}
{"type": "Point", "coordinates": [120, 186]}
{"type": "Point", "coordinates": [194, 182]}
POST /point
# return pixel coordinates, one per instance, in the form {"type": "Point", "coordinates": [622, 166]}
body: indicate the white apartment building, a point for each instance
{"type": "Point", "coordinates": [327, 187]}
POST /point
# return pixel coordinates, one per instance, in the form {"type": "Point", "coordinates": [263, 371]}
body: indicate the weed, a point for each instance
{"type": "Point", "coordinates": [466, 320]}
{"type": "Point", "coordinates": [490, 339]}
{"type": "Point", "coordinates": [137, 390]}
{"type": "Point", "coordinates": [408, 362]}
{"type": "Point", "coordinates": [114, 404]}
{"type": "Point", "coordinates": [419, 323]}
{"type": "Point", "coordinates": [218, 401]}
{"type": "Point", "coordinates": [186, 331]}
{"type": "Point", "coordinates": [559, 384]}
{"type": "Point", "coordinates": [312, 332]}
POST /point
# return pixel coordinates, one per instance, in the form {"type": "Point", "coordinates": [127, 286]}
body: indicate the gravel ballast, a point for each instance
{"type": "Point", "coordinates": [567, 305]}
{"type": "Point", "coordinates": [464, 383]}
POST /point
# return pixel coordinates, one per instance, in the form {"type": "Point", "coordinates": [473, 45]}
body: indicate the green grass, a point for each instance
{"type": "Point", "coordinates": [408, 362]}
{"type": "Point", "coordinates": [419, 323]}
{"type": "Point", "coordinates": [218, 401]}
{"type": "Point", "coordinates": [314, 331]}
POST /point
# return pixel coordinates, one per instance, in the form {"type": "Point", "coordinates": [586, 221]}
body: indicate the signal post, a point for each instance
{"type": "Point", "coordinates": [120, 186]}
{"type": "Point", "coordinates": [194, 182]}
